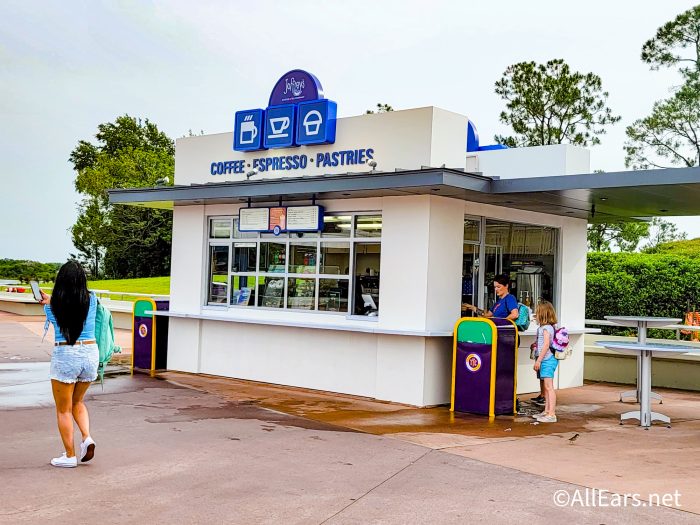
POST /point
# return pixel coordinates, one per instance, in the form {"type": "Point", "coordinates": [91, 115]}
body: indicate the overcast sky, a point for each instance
{"type": "Point", "coordinates": [66, 67]}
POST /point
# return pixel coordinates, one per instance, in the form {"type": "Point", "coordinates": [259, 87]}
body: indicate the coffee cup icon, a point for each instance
{"type": "Point", "coordinates": [278, 125]}
{"type": "Point", "coordinates": [312, 122]}
{"type": "Point", "coordinates": [248, 131]}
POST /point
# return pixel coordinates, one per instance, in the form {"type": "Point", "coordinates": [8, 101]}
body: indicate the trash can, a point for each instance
{"type": "Point", "coordinates": [484, 366]}
{"type": "Point", "coordinates": [150, 336]}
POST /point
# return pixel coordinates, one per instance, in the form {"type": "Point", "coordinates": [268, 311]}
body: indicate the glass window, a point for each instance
{"type": "Point", "coordinates": [244, 256]}
{"type": "Point", "coordinates": [273, 257]}
{"type": "Point", "coordinates": [271, 292]}
{"type": "Point", "coordinates": [527, 254]}
{"type": "Point", "coordinates": [335, 258]}
{"type": "Point", "coordinates": [333, 295]}
{"type": "Point", "coordinates": [243, 290]}
{"type": "Point", "coordinates": [218, 274]}
{"type": "Point", "coordinates": [471, 229]}
{"type": "Point", "coordinates": [336, 226]}
{"type": "Point", "coordinates": [301, 294]}
{"type": "Point", "coordinates": [237, 234]}
{"type": "Point", "coordinates": [368, 226]}
{"type": "Point", "coordinates": [302, 257]}
{"type": "Point", "coordinates": [220, 229]}
{"type": "Point", "coordinates": [367, 261]}
{"type": "Point", "coordinates": [334, 270]}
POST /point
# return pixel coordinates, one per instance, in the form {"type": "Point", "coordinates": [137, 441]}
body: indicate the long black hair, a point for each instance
{"type": "Point", "coordinates": [70, 300]}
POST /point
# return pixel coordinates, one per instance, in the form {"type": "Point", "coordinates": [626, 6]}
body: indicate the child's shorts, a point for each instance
{"type": "Point", "coordinates": [70, 364]}
{"type": "Point", "coordinates": [548, 367]}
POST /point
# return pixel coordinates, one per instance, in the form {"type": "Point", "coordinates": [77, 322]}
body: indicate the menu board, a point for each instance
{"type": "Point", "coordinates": [278, 217]}
{"type": "Point", "coordinates": [304, 218]}
{"type": "Point", "coordinates": [253, 219]}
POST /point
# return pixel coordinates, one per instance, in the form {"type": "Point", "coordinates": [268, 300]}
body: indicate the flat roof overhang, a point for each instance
{"type": "Point", "coordinates": [596, 197]}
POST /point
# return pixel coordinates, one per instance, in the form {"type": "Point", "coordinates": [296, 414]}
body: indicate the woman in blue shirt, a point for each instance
{"type": "Point", "coordinates": [506, 305]}
{"type": "Point", "coordinates": [72, 310]}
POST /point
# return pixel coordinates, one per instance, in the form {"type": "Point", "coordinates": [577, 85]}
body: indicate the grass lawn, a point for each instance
{"type": "Point", "coordinates": [149, 285]}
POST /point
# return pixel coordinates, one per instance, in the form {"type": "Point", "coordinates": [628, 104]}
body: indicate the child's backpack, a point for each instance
{"type": "Point", "coordinates": [522, 323]}
{"type": "Point", "coordinates": [560, 343]}
{"type": "Point", "coordinates": [104, 334]}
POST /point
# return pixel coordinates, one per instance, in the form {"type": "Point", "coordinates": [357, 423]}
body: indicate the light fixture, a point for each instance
{"type": "Point", "coordinates": [372, 164]}
{"type": "Point", "coordinates": [250, 174]}
{"type": "Point", "coordinates": [603, 199]}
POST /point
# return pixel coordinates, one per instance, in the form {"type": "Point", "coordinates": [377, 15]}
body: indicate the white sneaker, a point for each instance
{"type": "Point", "coordinates": [547, 419]}
{"type": "Point", "coordinates": [65, 462]}
{"type": "Point", "coordinates": [87, 449]}
{"type": "Point", "coordinates": [543, 413]}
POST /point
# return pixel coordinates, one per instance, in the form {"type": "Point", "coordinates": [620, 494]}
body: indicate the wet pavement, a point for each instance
{"type": "Point", "coordinates": [180, 448]}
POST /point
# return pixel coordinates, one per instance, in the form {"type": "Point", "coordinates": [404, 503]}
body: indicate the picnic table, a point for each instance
{"type": "Point", "coordinates": [644, 352]}
{"type": "Point", "coordinates": [641, 323]}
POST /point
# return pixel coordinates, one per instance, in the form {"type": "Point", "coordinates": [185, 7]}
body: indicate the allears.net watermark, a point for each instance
{"type": "Point", "coordinates": [587, 497]}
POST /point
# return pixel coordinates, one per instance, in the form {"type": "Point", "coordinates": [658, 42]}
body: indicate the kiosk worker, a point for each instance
{"type": "Point", "coordinates": [506, 305]}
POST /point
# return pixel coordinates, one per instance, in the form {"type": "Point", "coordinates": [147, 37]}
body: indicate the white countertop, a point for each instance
{"type": "Point", "coordinates": [354, 324]}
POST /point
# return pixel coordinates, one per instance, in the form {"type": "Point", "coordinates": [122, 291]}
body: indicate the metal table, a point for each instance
{"type": "Point", "coordinates": [645, 352]}
{"type": "Point", "coordinates": [641, 323]}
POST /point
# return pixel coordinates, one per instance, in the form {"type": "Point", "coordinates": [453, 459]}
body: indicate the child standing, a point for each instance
{"type": "Point", "coordinates": [546, 363]}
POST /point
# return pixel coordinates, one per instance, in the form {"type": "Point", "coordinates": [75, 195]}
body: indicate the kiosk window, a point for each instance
{"type": "Point", "coordinates": [334, 270]}
{"type": "Point", "coordinates": [220, 229]}
{"type": "Point", "coordinates": [273, 257]}
{"type": "Point", "coordinates": [244, 256]}
{"type": "Point", "coordinates": [302, 257]}
{"type": "Point", "coordinates": [301, 294]}
{"type": "Point", "coordinates": [271, 290]}
{"type": "Point", "coordinates": [367, 259]}
{"type": "Point", "coordinates": [368, 226]}
{"type": "Point", "coordinates": [337, 226]}
{"type": "Point", "coordinates": [335, 258]}
{"type": "Point", "coordinates": [333, 295]}
{"type": "Point", "coordinates": [218, 274]}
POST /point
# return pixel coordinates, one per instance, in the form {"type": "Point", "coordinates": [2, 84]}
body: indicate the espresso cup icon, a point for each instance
{"type": "Point", "coordinates": [279, 126]}
{"type": "Point", "coordinates": [248, 132]}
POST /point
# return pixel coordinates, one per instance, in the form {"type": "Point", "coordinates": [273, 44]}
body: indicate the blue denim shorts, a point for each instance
{"type": "Point", "coordinates": [75, 363]}
{"type": "Point", "coordinates": [548, 367]}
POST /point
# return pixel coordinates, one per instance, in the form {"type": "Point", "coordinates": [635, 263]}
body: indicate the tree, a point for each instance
{"type": "Point", "coordinates": [381, 108]}
{"type": "Point", "coordinates": [602, 237]}
{"type": "Point", "coordinates": [123, 241]}
{"type": "Point", "coordinates": [676, 44]}
{"type": "Point", "coordinates": [550, 104]}
{"type": "Point", "coordinates": [661, 232]}
{"type": "Point", "coordinates": [670, 136]}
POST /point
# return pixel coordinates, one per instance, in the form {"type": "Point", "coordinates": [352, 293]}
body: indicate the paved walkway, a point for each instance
{"type": "Point", "coordinates": [191, 449]}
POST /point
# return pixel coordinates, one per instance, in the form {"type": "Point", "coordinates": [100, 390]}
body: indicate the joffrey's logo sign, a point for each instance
{"type": "Point", "coordinates": [297, 115]}
{"type": "Point", "coordinates": [293, 86]}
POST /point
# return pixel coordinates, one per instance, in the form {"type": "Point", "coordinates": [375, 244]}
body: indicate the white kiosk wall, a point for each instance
{"type": "Point", "coordinates": [420, 276]}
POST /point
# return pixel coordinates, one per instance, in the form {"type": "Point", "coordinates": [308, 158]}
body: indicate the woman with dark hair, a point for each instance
{"type": "Point", "coordinates": [72, 309]}
{"type": "Point", "coordinates": [506, 305]}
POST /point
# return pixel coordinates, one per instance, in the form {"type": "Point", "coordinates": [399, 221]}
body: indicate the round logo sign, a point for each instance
{"type": "Point", "coordinates": [473, 362]}
{"type": "Point", "coordinates": [143, 330]}
{"type": "Point", "coordinates": [277, 230]}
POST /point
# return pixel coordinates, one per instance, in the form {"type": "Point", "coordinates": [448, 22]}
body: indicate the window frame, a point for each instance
{"type": "Point", "coordinates": [288, 239]}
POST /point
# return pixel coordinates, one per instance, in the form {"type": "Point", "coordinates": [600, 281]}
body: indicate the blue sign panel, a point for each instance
{"type": "Point", "coordinates": [316, 122]}
{"type": "Point", "coordinates": [279, 126]}
{"type": "Point", "coordinates": [248, 132]}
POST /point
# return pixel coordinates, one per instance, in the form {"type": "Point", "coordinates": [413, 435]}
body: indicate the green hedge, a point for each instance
{"type": "Point", "coordinates": [641, 284]}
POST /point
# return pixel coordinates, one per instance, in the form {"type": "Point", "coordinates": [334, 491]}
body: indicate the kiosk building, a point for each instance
{"type": "Point", "coordinates": [336, 253]}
